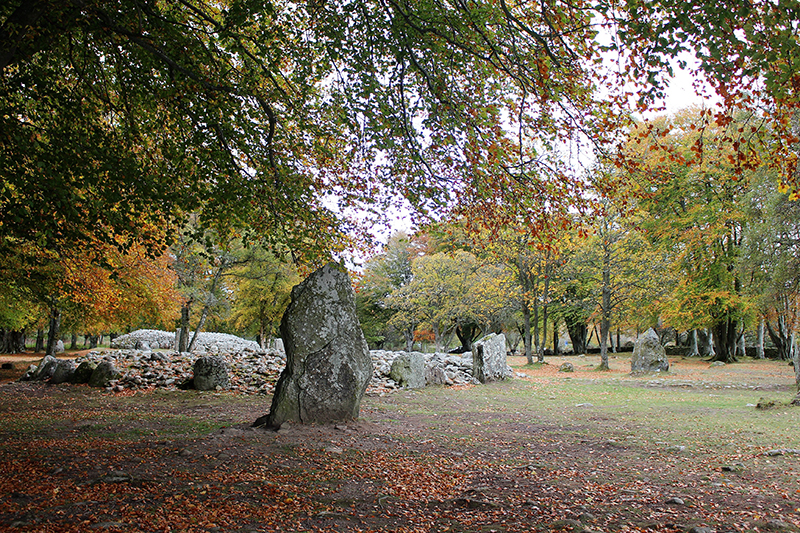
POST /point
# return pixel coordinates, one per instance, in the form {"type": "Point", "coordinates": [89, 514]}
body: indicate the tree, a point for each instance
{"type": "Point", "coordinates": [625, 272]}
{"type": "Point", "coordinates": [261, 286]}
{"type": "Point", "coordinates": [692, 195]}
{"type": "Point", "coordinates": [770, 260]}
{"type": "Point", "coordinates": [449, 291]}
{"type": "Point", "coordinates": [250, 112]}
{"type": "Point", "coordinates": [385, 273]}
{"type": "Point", "coordinates": [532, 255]}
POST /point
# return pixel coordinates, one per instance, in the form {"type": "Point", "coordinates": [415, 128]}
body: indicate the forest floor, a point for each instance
{"type": "Point", "coordinates": [582, 451]}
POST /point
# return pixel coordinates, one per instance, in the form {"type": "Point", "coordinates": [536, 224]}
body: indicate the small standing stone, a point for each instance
{"type": "Point", "coordinates": [408, 370]}
{"type": "Point", "coordinates": [489, 358]}
{"type": "Point", "coordinates": [648, 354]}
{"type": "Point", "coordinates": [211, 373]}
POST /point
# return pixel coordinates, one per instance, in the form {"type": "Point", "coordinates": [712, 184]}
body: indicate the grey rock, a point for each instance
{"type": "Point", "coordinates": [675, 501]}
{"type": "Point", "coordinates": [143, 346]}
{"type": "Point", "coordinates": [59, 346]}
{"type": "Point", "coordinates": [701, 529]}
{"type": "Point", "coordinates": [211, 373]}
{"type": "Point", "coordinates": [566, 367]}
{"type": "Point", "coordinates": [46, 368]}
{"type": "Point", "coordinates": [328, 364]}
{"type": "Point", "coordinates": [489, 358]}
{"type": "Point", "coordinates": [648, 354]}
{"type": "Point", "coordinates": [64, 372]}
{"type": "Point", "coordinates": [781, 451]}
{"type": "Point", "coordinates": [84, 372]}
{"type": "Point", "coordinates": [435, 375]}
{"type": "Point", "coordinates": [105, 372]}
{"type": "Point", "coordinates": [408, 370]}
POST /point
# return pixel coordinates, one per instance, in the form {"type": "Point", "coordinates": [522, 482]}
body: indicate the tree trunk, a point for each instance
{"type": "Point", "coordinates": [694, 350]}
{"type": "Point", "coordinates": [577, 331]}
{"type": "Point", "coordinates": [725, 335]}
{"type": "Point", "coordinates": [437, 339]}
{"type": "Point", "coordinates": [741, 348]}
{"type": "Point", "coordinates": [545, 304]}
{"type": "Point", "coordinates": [466, 335]}
{"type": "Point", "coordinates": [39, 341]}
{"type": "Point", "coordinates": [760, 346]}
{"type": "Point", "coordinates": [539, 358]}
{"type": "Point", "coordinates": [209, 300]}
{"type": "Point", "coordinates": [73, 345]}
{"type": "Point", "coordinates": [55, 330]}
{"type": "Point", "coordinates": [526, 332]}
{"type": "Point", "coordinates": [781, 338]}
{"type": "Point", "coordinates": [12, 341]}
{"type": "Point", "coordinates": [555, 337]}
{"type": "Point", "coordinates": [183, 339]}
{"type": "Point", "coordinates": [408, 335]}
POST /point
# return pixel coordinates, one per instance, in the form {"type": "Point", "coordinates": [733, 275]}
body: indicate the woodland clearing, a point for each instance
{"type": "Point", "coordinates": [582, 451]}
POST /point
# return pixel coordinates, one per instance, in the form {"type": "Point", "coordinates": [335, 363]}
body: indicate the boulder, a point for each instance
{"type": "Point", "coordinates": [43, 371]}
{"type": "Point", "coordinates": [103, 374]}
{"type": "Point", "coordinates": [435, 375]}
{"type": "Point", "coordinates": [408, 370]}
{"type": "Point", "coordinates": [143, 346]}
{"type": "Point", "coordinates": [648, 354]}
{"type": "Point", "coordinates": [211, 373]}
{"type": "Point", "coordinates": [84, 372]}
{"type": "Point", "coordinates": [64, 372]}
{"type": "Point", "coordinates": [489, 358]}
{"type": "Point", "coordinates": [59, 346]}
{"type": "Point", "coordinates": [328, 364]}
{"type": "Point", "coordinates": [566, 366]}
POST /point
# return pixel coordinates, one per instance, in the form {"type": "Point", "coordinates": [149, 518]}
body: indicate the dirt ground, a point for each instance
{"type": "Point", "coordinates": [586, 451]}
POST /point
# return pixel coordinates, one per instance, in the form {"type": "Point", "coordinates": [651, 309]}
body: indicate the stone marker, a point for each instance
{"type": "Point", "coordinates": [648, 354]}
{"type": "Point", "coordinates": [408, 370]}
{"type": "Point", "coordinates": [210, 372]}
{"type": "Point", "coordinates": [489, 358]}
{"type": "Point", "coordinates": [328, 365]}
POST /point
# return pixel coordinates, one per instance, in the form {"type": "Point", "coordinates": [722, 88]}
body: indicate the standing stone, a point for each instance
{"type": "Point", "coordinates": [59, 346]}
{"type": "Point", "coordinates": [489, 358]}
{"type": "Point", "coordinates": [648, 354]}
{"type": "Point", "coordinates": [408, 370]}
{"type": "Point", "coordinates": [210, 372]}
{"type": "Point", "coordinates": [328, 365]}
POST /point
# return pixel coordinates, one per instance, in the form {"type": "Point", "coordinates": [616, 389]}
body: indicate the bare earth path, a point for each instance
{"type": "Point", "coordinates": [585, 451]}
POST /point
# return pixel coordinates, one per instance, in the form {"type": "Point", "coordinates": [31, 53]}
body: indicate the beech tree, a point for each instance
{"type": "Point", "coordinates": [770, 260]}
{"type": "Point", "coordinates": [693, 197]}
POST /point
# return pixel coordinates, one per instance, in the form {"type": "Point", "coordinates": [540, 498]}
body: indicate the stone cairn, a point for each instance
{"type": "Point", "coordinates": [250, 369]}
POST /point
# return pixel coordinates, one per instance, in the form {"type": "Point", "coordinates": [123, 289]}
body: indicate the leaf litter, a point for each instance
{"type": "Point", "coordinates": [503, 457]}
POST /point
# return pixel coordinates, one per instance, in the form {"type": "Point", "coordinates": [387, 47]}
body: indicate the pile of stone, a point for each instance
{"type": "Point", "coordinates": [153, 339]}
{"type": "Point", "coordinates": [249, 372]}
{"type": "Point", "coordinates": [396, 370]}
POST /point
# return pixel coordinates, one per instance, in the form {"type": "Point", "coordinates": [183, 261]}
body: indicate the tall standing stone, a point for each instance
{"type": "Point", "coordinates": [489, 358]}
{"type": "Point", "coordinates": [328, 365]}
{"type": "Point", "coordinates": [648, 354]}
